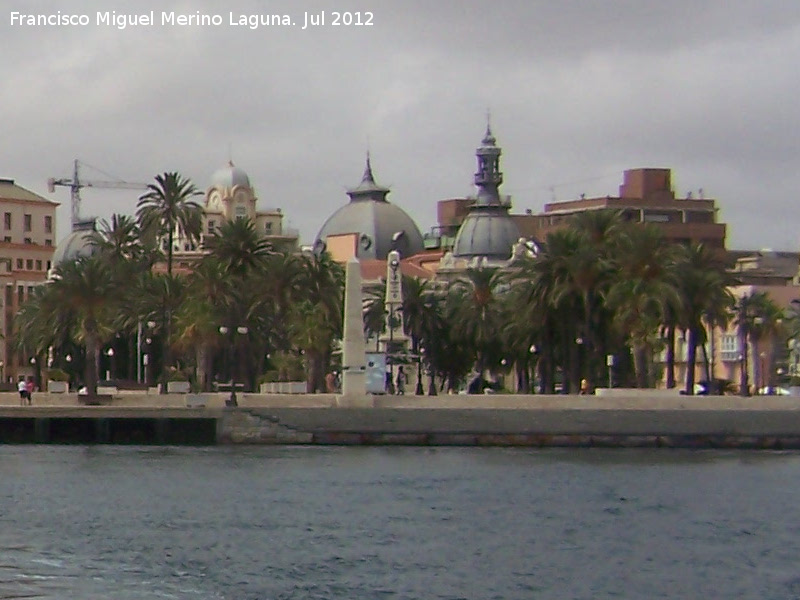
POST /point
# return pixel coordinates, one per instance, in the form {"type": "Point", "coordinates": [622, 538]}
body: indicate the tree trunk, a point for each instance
{"type": "Point", "coordinates": [640, 365]}
{"type": "Point", "coordinates": [670, 358]}
{"type": "Point", "coordinates": [691, 359]}
{"type": "Point", "coordinates": [744, 386]}
{"type": "Point", "coordinates": [202, 364]}
{"type": "Point", "coordinates": [92, 357]}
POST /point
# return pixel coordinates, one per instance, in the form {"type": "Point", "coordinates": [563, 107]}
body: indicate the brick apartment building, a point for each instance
{"type": "Point", "coordinates": [27, 243]}
{"type": "Point", "coordinates": [645, 196]}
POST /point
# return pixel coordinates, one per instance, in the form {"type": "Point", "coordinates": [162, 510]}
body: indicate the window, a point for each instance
{"type": "Point", "coordinates": [7, 220]}
{"type": "Point", "coordinates": [20, 295]}
{"type": "Point", "coordinates": [49, 264]}
{"type": "Point", "coordinates": [9, 296]}
{"type": "Point", "coordinates": [29, 264]}
{"type": "Point", "coordinates": [48, 224]}
{"type": "Point", "coordinates": [730, 347]}
{"type": "Point", "coordinates": [28, 241]}
{"type": "Point", "coordinates": [7, 239]}
{"type": "Point", "coordinates": [241, 212]}
{"type": "Point", "coordinates": [211, 225]}
{"type": "Point", "coordinates": [19, 263]}
{"type": "Point", "coordinates": [268, 227]}
{"type": "Point", "coordinates": [28, 222]}
{"type": "Point", "coordinates": [38, 265]}
{"type": "Point", "coordinates": [48, 242]}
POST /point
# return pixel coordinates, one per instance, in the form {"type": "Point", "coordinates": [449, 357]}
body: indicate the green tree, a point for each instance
{"type": "Point", "coordinates": [702, 283]}
{"type": "Point", "coordinates": [643, 288]}
{"type": "Point", "coordinates": [473, 313]}
{"type": "Point", "coordinates": [238, 247]}
{"type": "Point", "coordinates": [82, 296]}
{"type": "Point", "coordinates": [319, 303]}
{"type": "Point", "coordinates": [167, 209]}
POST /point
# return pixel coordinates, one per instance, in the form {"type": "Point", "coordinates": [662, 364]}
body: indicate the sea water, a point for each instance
{"type": "Point", "coordinates": [242, 523]}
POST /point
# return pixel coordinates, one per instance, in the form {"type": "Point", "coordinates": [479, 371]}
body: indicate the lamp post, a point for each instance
{"type": "Point", "coordinates": [610, 365]}
{"type": "Point", "coordinates": [578, 372]}
{"type": "Point", "coordinates": [110, 370]}
{"type": "Point", "coordinates": [34, 367]}
{"type": "Point", "coordinates": [420, 390]}
{"type": "Point", "coordinates": [147, 359]}
{"type": "Point", "coordinates": [241, 330]}
{"type": "Point", "coordinates": [531, 374]}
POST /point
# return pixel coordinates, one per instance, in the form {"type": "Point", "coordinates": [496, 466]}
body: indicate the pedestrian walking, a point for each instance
{"type": "Point", "coordinates": [401, 381]}
{"type": "Point", "coordinates": [330, 382]}
{"type": "Point", "coordinates": [22, 387]}
{"type": "Point", "coordinates": [29, 390]}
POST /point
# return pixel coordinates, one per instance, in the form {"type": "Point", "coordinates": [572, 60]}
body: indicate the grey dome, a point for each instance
{"type": "Point", "coordinates": [230, 176]}
{"type": "Point", "coordinates": [375, 223]}
{"type": "Point", "coordinates": [76, 245]}
{"type": "Point", "coordinates": [380, 226]}
{"type": "Point", "coordinates": [490, 232]}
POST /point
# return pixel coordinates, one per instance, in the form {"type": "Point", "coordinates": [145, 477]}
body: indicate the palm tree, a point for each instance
{"type": "Point", "coordinates": [473, 312]}
{"type": "Point", "coordinates": [320, 288]}
{"type": "Point", "coordinates": [644, 287]}
{"type": "Point", "coordinates": [702, 284]}
{"type": "Point", "coordinates": [168, 209]}
{"type": "Point", "coordinates": [209, 296]}
{"type": "Point", "coordinates": [583, 267]}
{"type": "Point", "coordinates": [118, 241]}
{"type": "Point", "coordinates": [238, 247]}
{"type": "Point", "coordinates": [158, 297]}
{"type": "Point", "coordinates": [418, 317]}
{"type": "Point", "coordinates": [84, 292]}
{"type": "Point", "coordinates": [757, 319]}
{"type": "Point", "coordinates": [375, 311]}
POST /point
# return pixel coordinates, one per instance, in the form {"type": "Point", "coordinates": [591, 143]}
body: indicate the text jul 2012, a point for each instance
{"type": "Point", "coordinates": [173, 19]}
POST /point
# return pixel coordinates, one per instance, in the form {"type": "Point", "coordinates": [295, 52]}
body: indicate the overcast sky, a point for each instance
{"type": "Point", "coordinates": [579, 91]}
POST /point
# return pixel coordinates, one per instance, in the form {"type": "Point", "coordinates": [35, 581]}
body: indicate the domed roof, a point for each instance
{"type": "Point", "coordinates": [230, 176]}
{"type": "Point", "coordinates": [490, 233]}
{"type": "Point", "coordinates": [380, 225]}
{"type": "Point", "coordinates": [76, 245]}
{"type": "Point", "coordinates": [488, 230]}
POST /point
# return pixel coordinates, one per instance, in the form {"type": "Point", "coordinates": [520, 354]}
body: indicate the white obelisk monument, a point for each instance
{"type": "Point", "coordinates": [354, 361]}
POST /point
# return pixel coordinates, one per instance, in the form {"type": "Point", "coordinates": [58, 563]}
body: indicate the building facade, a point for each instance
{"type": "Point", "coordinates": [231, 196]}
{"type": "Point", "coordinates": [26, 255]}
{"type": "Point", "coordinates": [645, 196]}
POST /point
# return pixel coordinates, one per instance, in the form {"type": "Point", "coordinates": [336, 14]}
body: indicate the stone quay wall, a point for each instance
{"type": "Point", "coordinates": [635, 419]}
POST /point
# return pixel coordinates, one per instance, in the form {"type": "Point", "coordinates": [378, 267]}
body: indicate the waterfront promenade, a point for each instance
{"type": "Point", "coordinates": [653, 419]}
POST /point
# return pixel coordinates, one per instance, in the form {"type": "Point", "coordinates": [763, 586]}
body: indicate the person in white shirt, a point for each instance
{"type": "Point", "coordinates": [23, 391]}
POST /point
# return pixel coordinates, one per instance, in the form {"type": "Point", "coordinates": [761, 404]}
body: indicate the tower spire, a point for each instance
{"type": "Point", "coordinates": [368, 189]}
{"type": "Point", "coordinates": [488, 178]}
{"type": "Point", "coordinates": [368, 177]}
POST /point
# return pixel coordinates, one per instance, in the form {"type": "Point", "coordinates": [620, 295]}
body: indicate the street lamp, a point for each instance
{"type": "Point", "coordinates": [392, 292]}
{"type": "Point", "coordinates": [420, 390]}
{"type": "Point", "coordinates": [33, 365]}
{"type": "Point", "coordinates": [241, 330]}
{"type": "Point", "coordinates": [531, 370]}
{"type": "Point", "coordinates": [110, 370]}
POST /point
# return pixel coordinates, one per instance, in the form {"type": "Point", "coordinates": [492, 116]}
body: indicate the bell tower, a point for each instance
{"type": "Point", "coordinates": [488, 178]}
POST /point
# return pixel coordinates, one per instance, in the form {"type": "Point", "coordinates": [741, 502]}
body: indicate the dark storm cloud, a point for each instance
{"type": "Point", "coordinates": [579, 91]}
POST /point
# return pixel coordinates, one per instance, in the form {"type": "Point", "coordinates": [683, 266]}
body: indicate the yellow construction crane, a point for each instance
{"type": "Point", "coordinates": [76, 183]}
